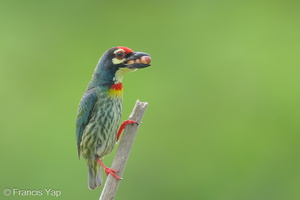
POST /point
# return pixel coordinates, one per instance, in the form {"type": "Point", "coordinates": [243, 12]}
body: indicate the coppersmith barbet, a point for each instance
{"type": "Point", "coordinates": [100, 109]}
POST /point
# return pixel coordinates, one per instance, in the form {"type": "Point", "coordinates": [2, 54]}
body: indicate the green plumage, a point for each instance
{"type": "Point", "coordinates": [99, 112]}
{"type": "Point", "coordinates": [99, 135]}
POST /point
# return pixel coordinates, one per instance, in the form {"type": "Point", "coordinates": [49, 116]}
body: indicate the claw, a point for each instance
{"type": "Point", "coordinates": [109, 170]}
{"type": "Point", "coordinates": [112, 172]}
{"type": "Point", "coordinates": [123, 125]}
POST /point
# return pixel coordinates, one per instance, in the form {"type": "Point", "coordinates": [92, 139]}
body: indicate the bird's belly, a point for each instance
{"type": "Point", "coordinates": [100, 134]}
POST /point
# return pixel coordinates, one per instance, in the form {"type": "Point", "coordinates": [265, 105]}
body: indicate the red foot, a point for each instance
{"type": "Point", "coordinates": [109, 170]}
{"type": "Point", "coordinates": [123, 125]}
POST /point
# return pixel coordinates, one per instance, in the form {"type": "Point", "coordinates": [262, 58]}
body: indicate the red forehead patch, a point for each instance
{"type": "Point", "coordinates": [126, 49]}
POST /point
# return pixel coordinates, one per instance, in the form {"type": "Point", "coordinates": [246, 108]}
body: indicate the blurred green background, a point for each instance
{"type": "Point", "coordinates": [223, 93]}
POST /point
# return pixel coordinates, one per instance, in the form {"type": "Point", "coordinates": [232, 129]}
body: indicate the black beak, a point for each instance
{"type": "Point", "coordinates": [138, 60]}
{"type": "Point", "coordinates": [136, 55]}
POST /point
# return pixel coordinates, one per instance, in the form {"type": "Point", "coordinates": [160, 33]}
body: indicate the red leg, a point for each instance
{"type": "Point", "coordinates": [123, 125]}
{"type": "Point", "coordinates": [109, 170]}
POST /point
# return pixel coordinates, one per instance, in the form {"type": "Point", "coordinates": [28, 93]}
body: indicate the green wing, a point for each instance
{"type": "Point", "coordinates": [84, 114]}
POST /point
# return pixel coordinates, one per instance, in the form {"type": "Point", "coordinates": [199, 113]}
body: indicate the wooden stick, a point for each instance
{"type": "Point", "coordinates": [111, 185]}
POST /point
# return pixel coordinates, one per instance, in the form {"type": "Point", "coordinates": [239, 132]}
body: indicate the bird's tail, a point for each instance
{"type": "Point", "coordinates": [95, 175]}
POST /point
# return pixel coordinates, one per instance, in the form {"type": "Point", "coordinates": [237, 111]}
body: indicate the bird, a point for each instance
{"type": "Point", "coordinates": [100, 109]}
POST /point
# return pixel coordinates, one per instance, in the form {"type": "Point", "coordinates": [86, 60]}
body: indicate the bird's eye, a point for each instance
{"type": "Point", "coordinates": [120, 55]}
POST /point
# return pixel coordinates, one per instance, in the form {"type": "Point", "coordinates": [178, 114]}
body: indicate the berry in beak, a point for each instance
{"type": "Point", "coordinates": [138, 60]}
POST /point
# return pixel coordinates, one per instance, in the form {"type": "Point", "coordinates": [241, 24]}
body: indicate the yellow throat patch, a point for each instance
{"type": "Point", "coordinates": [116, 91]}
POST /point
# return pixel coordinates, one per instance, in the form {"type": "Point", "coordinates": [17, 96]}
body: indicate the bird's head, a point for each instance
{"type": "Point", "coordinates": [116, 62]}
